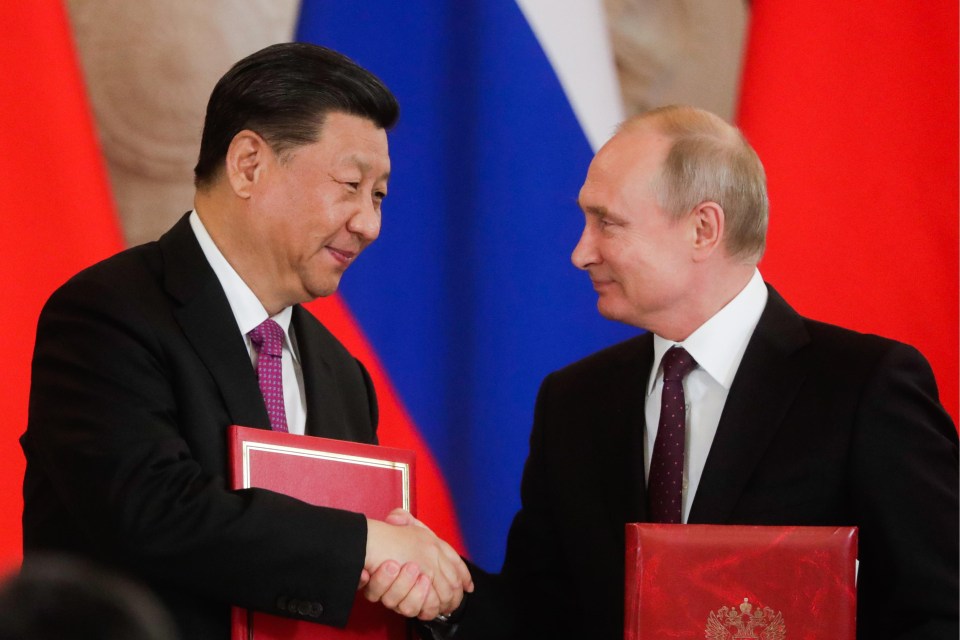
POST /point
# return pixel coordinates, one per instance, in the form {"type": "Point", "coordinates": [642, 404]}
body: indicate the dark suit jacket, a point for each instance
{"type": "Point", "coordinates": [822, 426]}
{"type": "Point", "coordinates": [139, 368]}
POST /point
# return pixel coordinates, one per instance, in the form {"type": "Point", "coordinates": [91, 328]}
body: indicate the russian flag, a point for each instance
{"type": "Point", "coordinates": [469, 299]}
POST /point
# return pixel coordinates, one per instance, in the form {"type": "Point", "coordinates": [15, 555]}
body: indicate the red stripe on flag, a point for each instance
{"type": "Point", "coordinates": [434, 504]}
{"type": "Point", "coordinates": [853, 109]}
{"type": "Point", "coordinates": [58, 212]}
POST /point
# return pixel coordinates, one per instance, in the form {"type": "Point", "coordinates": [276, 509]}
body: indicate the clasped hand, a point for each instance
{"type": "Point", "coordinates": [410, 570]}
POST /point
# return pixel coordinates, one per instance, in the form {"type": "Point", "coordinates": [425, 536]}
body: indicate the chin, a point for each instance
{"type": "Point", "coordinates": [619, 313]}
{"type": "Point", "coordinates": [609, 311]}
{"type": "Point", "coordinates": [321, 287]}
{"type": "Point", "coordinates": [322, 292]}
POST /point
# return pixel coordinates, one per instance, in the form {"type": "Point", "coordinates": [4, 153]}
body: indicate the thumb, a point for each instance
{"type": "Point", "coordinates": [364, 579]}
{"type": "Point", "coordinates": [401, 518]}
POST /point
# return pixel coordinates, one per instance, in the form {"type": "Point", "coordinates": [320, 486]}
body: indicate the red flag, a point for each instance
{"type": "Point", "coordinates": [397, 429]}
{"type": "Point", "coordinates": [853, 109]}
{"type": "Point", "coordinates": [58, 213]}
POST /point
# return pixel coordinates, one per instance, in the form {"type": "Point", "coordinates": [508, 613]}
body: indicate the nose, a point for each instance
{"type": "Point", "coordinates": [584, 254]}
{"type": "Point", "coordinates": [365, 223]}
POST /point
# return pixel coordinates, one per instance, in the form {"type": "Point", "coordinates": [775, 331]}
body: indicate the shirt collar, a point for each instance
{"type": "Point", "coordinates": [246, 307]}
{"type": "Point", "coordinates": [719, 343]}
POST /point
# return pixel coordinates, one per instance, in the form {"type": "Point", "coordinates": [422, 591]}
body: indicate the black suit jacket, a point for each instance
{"type": "Point", "coordinates": [822, 426]}
{"type": "Point", "coordinates": [138, 370]}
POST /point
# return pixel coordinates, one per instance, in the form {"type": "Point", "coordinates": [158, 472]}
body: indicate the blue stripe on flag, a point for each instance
{"type": "Point", "coordinates": [469, 296]}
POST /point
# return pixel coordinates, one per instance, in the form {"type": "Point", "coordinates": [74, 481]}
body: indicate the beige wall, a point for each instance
{"type": "Point", "coordinates": [678, 52]}
{"type": "Point", "coordinates": [150, 65]}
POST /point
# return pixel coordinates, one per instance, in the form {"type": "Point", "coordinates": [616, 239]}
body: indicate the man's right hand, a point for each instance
{"type": "Point", "coordinates": [411, 570]}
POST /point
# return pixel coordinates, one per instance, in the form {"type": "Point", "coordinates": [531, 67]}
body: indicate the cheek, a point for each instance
{"type": "Point", "coordinates": [327, 215]}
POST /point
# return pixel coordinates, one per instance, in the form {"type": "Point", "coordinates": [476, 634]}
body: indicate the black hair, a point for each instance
{"type": "Point", "coordinates": [282, 93]}
{"type": "Point", "coordinates": [57, 597]}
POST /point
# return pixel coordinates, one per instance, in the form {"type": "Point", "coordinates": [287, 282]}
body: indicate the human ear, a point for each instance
{"type": "Point", "coordinates": [708, 218]}
{"type": "Point", "coordinates": [244, 160]}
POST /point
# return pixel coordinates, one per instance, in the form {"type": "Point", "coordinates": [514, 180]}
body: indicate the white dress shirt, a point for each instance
{"type": "Point", "coordinates": [717, 346]}
{"type": "Point", "coordinates": [249, 313]}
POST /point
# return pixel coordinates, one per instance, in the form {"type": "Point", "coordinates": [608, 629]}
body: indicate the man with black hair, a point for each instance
{"type": "Point", "coordinates": [143, 360]}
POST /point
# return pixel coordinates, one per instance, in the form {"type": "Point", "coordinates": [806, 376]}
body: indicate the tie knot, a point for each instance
{"type": "Point", "coordinates": [267, 338]}
{"type": "Point", "coordinates": [677, 363]}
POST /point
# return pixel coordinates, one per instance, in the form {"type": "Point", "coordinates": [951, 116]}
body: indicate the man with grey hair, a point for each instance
{"type": "Point", "coordinates": [774, 419]}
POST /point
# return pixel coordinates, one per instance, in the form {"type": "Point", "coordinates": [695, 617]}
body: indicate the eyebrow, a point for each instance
{"type": "Point", "coordinates": [365, 166]}
{"type": "Point", "coordinates": [594, 210]}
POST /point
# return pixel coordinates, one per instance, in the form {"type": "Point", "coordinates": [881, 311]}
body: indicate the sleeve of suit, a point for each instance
{"type": "Point", "coordinates": [107, 432]}
{"type": "Point", "coordinates": [904, 482]}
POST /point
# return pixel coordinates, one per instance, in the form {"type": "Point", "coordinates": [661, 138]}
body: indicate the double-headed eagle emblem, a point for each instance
{"type": "Point", "coordinates": [743, 623]}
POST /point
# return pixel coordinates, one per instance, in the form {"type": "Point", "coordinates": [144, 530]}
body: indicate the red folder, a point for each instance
{"type": "Point", "coordinates": [725, 582]}
{"type": "Point", "coordinates": [364, 478]}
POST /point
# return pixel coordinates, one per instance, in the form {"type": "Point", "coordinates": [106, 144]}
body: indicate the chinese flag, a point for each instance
{"type": "Point", "coordinates": [853, 109]}
{"type": "Point", "coordinates": [58, 214]}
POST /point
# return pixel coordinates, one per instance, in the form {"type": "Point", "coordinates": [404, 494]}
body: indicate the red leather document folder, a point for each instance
{"type": "Point", "coordinates": [726, 582]}
{"type": "Point", "coordinates": [332, 473]}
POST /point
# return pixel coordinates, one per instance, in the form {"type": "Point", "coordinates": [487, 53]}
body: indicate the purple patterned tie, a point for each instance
{"type": "Point", "coordinates": [267, 339]}
{"type": "Point", "coordinates": [665, 485]}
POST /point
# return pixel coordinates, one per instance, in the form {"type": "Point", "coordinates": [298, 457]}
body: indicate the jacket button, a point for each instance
{"type": "Point", "coordinates": [293, 606]}
{"type": "Point", "coordinates": [316, 610]}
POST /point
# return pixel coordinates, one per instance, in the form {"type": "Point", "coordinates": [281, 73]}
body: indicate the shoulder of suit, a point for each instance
{"type": "Point", "coordinates": [838, 337]}
{"type": "Point", "coordinates": [846, 352]}
{"type": "Point", "coordinates": [833, 341]}
{"type": "Point", "coordinates": [629, 353]}
{"type": "Point", "coordinates": [126, 271]}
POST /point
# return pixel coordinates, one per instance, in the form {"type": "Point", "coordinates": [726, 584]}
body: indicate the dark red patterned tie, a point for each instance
{"type": "Point", "coordinates": [267, 339]}
{"type": "Point", "coordinates": [665, 484]}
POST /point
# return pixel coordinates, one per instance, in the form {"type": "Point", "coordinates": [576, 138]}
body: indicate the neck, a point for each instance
{"type": "Point", "coordinates": [704, 301]}
{"type": "Point", "coordinates": [226, 222]}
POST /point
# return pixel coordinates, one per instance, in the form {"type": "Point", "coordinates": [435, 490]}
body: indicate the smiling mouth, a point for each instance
{"type": "Point", "coordinates": [342, 255]}
{"type": "Point", "coordinates": [600, 284]}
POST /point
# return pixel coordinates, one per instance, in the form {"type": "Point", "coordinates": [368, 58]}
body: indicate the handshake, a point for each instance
{"type": "Point", "coordinates": [410, 570]}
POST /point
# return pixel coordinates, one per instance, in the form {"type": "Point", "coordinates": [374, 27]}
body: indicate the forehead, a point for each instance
{"type": "Point", "coordinates": [346, 139]}
{"type": "Point", "coordinates": [626, 165]}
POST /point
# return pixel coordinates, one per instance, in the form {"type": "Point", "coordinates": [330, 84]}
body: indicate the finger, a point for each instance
{"type": "Point", "coordinates": [418, 602]}
{"type": "Point", "coordinates": [453, 567]}
{"type": "Point", "coordinates": [462, 572]}
{"type": "Point", "coordinates": [399, 517]}
{"type": "Point", "coordinates": [364, 579]}
{"type": "Point", "coordinates": [447, 586]}
{"type": "Point", "coordinates": [401, 587]}
{"type": "Point", "coordinates": [452, 601]}
{"type": "Point", "coordinates": [381, 580]}
{"type": "Point", "coordinates": [431, 608]}
{"type": "Point", "coordinates": [405, 518]}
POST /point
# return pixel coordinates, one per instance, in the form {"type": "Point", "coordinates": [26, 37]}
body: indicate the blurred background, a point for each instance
{"type": "Point", "coordinates": [468, 299]}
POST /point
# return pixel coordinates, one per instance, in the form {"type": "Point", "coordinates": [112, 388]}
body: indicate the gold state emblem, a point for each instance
{"type": "Point", "coordinates": [730, 623]}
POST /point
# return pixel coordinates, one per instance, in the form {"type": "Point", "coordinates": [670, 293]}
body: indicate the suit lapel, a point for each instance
{"type": "Point", "coordinates": [208, 323]}
{"type": "Point", "coordinates": [765, 386]}
{"type": "Point", "coordinates": [324, 417]}
{"type": "Point", "coordinates": [627, 445]}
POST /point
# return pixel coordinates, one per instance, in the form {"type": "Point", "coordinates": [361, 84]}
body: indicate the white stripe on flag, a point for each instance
{"type": "Point", "coordinates": [573, 34]}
